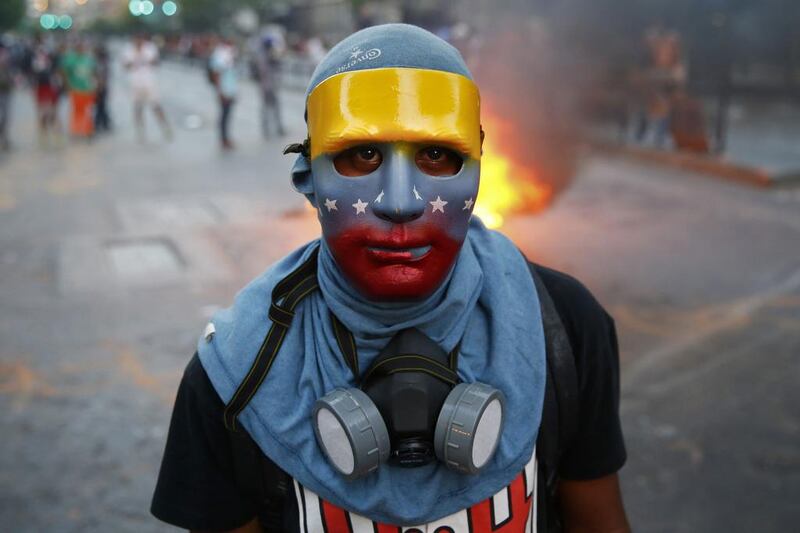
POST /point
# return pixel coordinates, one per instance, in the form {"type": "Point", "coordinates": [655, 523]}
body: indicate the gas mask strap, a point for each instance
{"type": "Point", "coordinates": [412, 363]}
{"type": "Point", "coordinates": [347, 345]}
{"type": "Point", "coordinates": [291, 290]}
{"type": "Point", "coordinates": [452, 357]}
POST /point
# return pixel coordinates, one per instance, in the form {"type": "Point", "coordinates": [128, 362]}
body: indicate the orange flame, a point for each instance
{"type": "Point", "coordinates": [507, 187]}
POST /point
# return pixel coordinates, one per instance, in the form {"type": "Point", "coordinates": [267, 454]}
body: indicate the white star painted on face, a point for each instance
{"type": "Point", "coordinates": [355, 53]}
{"type": "Point", "coordinates": [468, 204]}
{"type": "Point", "coordinates": [361, 207]}
{"type": "Point", "coordinates": [438, 205]}
{"type": "Point", "coordinates": [416, 194]}
{"type": "Point", "coordinates": [379, 198]}
{"type": "Point", "coordinates": [331, 205]}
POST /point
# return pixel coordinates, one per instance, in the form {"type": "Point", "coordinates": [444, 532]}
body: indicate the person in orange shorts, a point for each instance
{"type": "Point", "coordinates": [79, 71]}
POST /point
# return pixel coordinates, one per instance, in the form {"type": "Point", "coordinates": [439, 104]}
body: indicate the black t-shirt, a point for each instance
{"type": "Point", "coordinates": [197, 487]}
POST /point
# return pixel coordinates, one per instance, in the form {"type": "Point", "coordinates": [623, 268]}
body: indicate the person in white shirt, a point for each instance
{"type": "Point", "coordinates": [140, 59]}
{"type": "Point", "coordinates": [224, 77]}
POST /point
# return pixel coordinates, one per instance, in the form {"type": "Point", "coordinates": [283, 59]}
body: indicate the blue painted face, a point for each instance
{"type": "Point", "coordinates": [395, 214]}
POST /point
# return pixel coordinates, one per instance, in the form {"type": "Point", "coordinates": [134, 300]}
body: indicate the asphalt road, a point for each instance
{"type": "Point", "coordinates": [114, 253]}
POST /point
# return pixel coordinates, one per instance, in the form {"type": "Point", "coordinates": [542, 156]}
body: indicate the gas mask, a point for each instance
{"type": "Point", "coordinates": [409, 410]}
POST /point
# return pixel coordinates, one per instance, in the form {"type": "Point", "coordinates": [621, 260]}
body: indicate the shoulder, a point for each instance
{"type": "Point", "coordinates": [589, 328]}
{"type": "Point", "coordinates": [597, 447]}
{"type": "Point", "coordinates": [197, 485]}
{"type": "Point", "coordinates": [199, 391]}
{"type": "Point", "coordinates": [576, 305]}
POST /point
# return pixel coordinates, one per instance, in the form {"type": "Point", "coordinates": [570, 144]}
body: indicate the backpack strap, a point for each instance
{"type": "Point", "coordinates": [265, 483]}
{"type": "Point", "coordinates": [285, 297]}
{"type": "Point", "coordinates": [560, 412]}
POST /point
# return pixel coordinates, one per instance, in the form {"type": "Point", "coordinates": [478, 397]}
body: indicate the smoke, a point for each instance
{"type": "Point", "coordinates": [529, 94]}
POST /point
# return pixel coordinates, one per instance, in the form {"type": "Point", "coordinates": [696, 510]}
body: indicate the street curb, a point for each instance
{"type": "Point", "coordinates": [705, 164]}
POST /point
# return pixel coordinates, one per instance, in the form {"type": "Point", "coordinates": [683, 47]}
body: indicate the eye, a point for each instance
{"type": "Point", "coordinates": [438, 161]}
{"type": "Point", "coordinates": [358, 161]}
{"type": "Point", "coordinates": [434, 154]}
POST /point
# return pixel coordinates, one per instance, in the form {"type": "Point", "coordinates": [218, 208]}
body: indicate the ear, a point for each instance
{"type": "Point", "coordinates": [302, 180]}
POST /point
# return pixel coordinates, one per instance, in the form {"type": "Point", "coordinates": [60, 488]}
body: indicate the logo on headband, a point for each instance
{"type": "Point", "coordinates": [357, 55]}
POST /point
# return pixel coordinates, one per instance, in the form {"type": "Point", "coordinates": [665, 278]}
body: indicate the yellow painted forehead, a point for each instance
{"type": "Point", "coordinates": [395, 104]}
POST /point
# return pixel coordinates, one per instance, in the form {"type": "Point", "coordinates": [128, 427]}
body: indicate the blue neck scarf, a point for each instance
{"type": "Point", "coordinates": [489, 302]}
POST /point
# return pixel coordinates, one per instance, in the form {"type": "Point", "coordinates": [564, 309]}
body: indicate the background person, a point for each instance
{"type": "Point", "coordinates": [102, 120]}
{"type": "Point", "coordinates": [47, 83]}
{"type": "Point", "coordinates": [267, 70]}
{"type": "Point", "coordinates": [6, 85]}
{"type": "Point", "coordinates": [79, 67]}
{"type": "Point", "coordinates": [140, 59]}
{"type": "Point", "coordinates": [661, 80]}
{"type": "Point", "coordinates": [223, 75]}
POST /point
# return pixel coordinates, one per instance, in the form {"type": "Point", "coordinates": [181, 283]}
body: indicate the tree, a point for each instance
{"type": "Point", "coordinates": [11, 12]}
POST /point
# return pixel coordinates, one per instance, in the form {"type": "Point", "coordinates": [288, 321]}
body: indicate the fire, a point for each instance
{"type": "Point", "coordinates": [506, 186]}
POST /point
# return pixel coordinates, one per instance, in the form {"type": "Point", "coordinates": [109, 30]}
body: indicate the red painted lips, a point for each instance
{"type": "Point", "coordinates": [399, 264]}
{"type": "Point", "coordinates": [399, 255]}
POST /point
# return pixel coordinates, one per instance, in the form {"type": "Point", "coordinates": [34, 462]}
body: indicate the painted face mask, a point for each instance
{"type": "Point", "coordinates": [395, 165]}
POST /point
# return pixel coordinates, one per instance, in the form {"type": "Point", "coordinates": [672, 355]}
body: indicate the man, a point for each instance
{"type": "Point", "coordinates": [79, 72]}
{"type": "Point", "coordinates": [140, 60]}
{"type": "Point", "coordinates": [222, 72]}
{"type": "Point", "coordinates": [47, 84]}
{"type": "Point", "coordinates": [266, 72]}
{"type": "Point", "coordinates": [102, 120]}
{"type": "Point", "coordinates": [6, 85]}
{"type": "Point", "coordinates": [393, 373]}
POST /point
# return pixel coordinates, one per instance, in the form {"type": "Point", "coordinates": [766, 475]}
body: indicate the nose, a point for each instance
{"type": "Point", "coordinates": [399, 202]}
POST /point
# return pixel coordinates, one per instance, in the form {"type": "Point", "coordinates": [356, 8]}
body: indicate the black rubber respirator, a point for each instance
{"type": "Point", "coordinates": [410, 409]}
